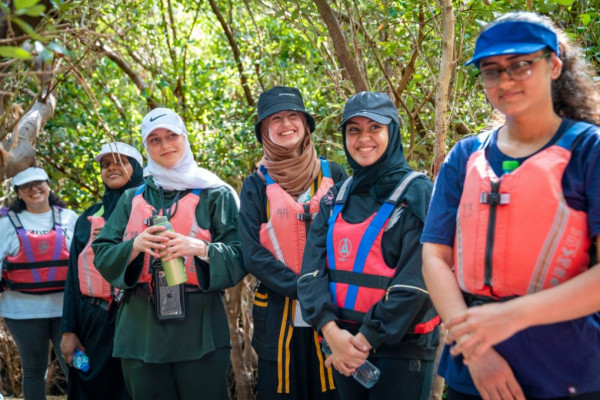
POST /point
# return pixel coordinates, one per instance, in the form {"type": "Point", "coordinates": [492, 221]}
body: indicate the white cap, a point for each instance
{"type": "Point", "coordinates": [29, 175]}
{"type": "Point", "coordinates": [162, 118]}
{"type": "Point", "coordinates": [120, 148]}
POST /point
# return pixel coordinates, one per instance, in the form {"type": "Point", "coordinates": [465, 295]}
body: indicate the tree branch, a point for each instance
{"type": "Point", "coordinates": [236, 53]}
{"type": "Point", "coordinates": [341, 46]}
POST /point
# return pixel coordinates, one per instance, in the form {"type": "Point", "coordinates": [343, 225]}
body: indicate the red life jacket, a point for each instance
{"type": "Point", "coordinates": [516, 234]}
{"type": "Point", "coordinates": [40, 266]}
{"type": "Point", "coordinates": [91, 283]}
{"type": "Point", "coordinates": [290, 219]}
{"type": "Point", "coordinates": [358, 274]}
{"type": "Point", "coordinates": [183, 221]}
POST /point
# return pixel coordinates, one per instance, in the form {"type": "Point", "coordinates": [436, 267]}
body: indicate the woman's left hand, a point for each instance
{"type": "Point", "coordinates": [477, 329]}
{"type": "Point", "coordinates": [182, 246]}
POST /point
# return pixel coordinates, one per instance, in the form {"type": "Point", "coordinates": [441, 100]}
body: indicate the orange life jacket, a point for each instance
{"type": "Point", "coordinates": [358, 274]}
{"type": "Point", "coordinates": [91, 283]}
{"type": "Point", "coordinates": [516, 234]}
{"type": "Point", "coordinates": [40, 266]}
{"type": "Point", "coordinates": [183, 221]}
{"type": "Point", "coordinates": [290, 220]}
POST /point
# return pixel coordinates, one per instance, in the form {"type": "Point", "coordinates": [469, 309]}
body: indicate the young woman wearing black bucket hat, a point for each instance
{"type": "Point", "coordinates": [361, 284]}
{"type": "Point", "coordinates": [278, 202]}
{"type": "Point", "coordinates": [506, 251]}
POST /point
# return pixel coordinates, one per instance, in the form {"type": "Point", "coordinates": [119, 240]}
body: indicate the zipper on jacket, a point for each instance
{"type": "Point", "coordinates": [397, 286]}
{"type": "Point", "coordinates": [493, 201]}
{"type": "Point", "coordinates": [314, 274]}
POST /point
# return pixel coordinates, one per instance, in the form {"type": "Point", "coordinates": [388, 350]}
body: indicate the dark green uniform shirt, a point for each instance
{"type": "Point", "coordinates": [139, 335]}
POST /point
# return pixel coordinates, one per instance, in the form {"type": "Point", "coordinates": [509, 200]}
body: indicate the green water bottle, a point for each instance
{"type": "Point", "coordinates": [509, 165]}
{"type": "Point", "coordinates": [174, 269]}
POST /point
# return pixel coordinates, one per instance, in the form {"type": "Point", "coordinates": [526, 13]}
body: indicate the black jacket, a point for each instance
{"type": "Point", "coordinates": [387, 325]}
{"type": "Point", "coordinates": [276, 286]}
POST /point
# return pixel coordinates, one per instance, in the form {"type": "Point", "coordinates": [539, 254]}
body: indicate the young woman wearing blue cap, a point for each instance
{"type": "Point", "coordinates": [361, 284]}
{"type": "Point", "coordinates": [516, 242]}
{"type": "Point", "coordinates": [278, 203]}
{"type": "Point", "coordinates": [171, 331]}
{"type": "Point", "coordinates": [90, 303]}
{"type": "Point", "coordinates": [34, 253]}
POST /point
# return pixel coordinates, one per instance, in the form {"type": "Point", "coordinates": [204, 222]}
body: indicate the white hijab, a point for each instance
{"type": "Point", "coordinates": [186, 174]}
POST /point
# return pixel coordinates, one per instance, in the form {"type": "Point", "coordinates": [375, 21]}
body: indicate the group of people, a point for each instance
{"type": "Point", "coordinates": [348, 269]}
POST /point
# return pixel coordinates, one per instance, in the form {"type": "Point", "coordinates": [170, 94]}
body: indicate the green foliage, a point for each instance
{"type": "Point", "coordinates": [185, 61]}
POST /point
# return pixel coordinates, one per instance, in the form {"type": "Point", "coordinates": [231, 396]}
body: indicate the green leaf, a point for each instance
{"type": "Point", "coordinates": [22, 4]}
{"type": "Point", "coordinates": [36, 11]}
{"type": "Point", "coordinates": [14, 52]}
{"type": "Point", "coordinates": [26, 28]}
{"type": "Point", "coordinates": [585, 19]}
{"type": "Point", "coordinates": [57, 48]}
{"type": "Point", "coordinates": [565, 2]}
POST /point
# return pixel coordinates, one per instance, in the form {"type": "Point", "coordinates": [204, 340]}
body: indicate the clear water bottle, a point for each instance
{"type": "Point", "coordinates": [367, 374]}
{"type": "Point", "coordinates": [81, 361]}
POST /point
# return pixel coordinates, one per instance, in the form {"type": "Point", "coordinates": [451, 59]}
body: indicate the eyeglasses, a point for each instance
{"type": "Point", "coordinates": [26, 187]}
{"type": "Point", "coordinates": [519, 71]}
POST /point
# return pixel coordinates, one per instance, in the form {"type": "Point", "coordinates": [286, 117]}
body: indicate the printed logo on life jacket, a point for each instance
{"type": "Point", "coordinates": [43, 248]}
{"type": "Point", "coordinates": [344, 249]}
{"type": "Point", "coordinates": [282, 212]}
{"type": "Point", "coordinates": [567, 253]}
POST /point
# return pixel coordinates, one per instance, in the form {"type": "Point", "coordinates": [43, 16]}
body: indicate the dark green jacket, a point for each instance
{"type": "Point", "coordinates": [139, 335]}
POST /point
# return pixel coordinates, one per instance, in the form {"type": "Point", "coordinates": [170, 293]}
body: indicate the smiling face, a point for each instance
{"type": "Point", "coordinates": [115, 172]}
{"type": "Point", "coordinates": [286, 128]}
{"type": "Point", "coordinates": [532, 96]}
{"type": "Point", "coordinates": [166, 148]}
{"type": "Point", "coordinates": [35, 195]}
{"type": "Point", "coordinates": [366, 140]}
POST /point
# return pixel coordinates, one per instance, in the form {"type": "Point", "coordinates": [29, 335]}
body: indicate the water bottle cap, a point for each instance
{"type": "Point", "coordinates": [160, 219]}
{"type": "Point", "coordinates": [510, 165]}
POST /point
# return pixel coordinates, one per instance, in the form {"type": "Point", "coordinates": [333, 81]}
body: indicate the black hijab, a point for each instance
{"type": "Point", "coordinates": [379, 179]}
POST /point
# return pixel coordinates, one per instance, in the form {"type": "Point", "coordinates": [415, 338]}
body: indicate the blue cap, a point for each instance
{"type": "Point", "coordinates": [513, 37]}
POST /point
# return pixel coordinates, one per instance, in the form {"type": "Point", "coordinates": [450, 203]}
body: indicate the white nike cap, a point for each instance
{"type": "Point", "coordinates": [162, 118]}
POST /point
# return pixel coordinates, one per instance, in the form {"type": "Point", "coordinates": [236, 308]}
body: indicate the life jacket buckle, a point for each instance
{"type": "Point", "coordinates": [495, 198]}
{"type": "Point", "coordinates": [304, 216]}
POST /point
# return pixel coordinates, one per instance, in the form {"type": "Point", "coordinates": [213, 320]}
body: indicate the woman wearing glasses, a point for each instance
{"type": "Point", "coordinates": [34, 251]}
{"type": "Point", "coordinates": [511, 223]}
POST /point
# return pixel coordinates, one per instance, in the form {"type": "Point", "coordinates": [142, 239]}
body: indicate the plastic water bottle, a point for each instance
{"type": "Point", "coordinates": [174, 269]}
{"type": "Point", "coordinates": [81, 361]}
{"type": "Point", "coordinates": [367, 374]}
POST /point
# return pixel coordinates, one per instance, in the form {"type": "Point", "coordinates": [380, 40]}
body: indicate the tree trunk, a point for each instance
{"type": "Point", "coordinates": [442, 98]}
{"type": "Point", "coordinates": [26, 131]}
{"type": "Point", "coordinates": [340, 45]}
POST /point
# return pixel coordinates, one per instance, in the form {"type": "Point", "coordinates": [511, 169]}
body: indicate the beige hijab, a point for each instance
{"type": "Point", "coordinates": [295, 168]}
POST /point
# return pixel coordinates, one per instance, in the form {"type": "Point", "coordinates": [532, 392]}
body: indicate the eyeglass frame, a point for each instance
{"type": "Point", "coordinates": [27, 187]}
{"type": "Point", "coordinates": [508, 71]}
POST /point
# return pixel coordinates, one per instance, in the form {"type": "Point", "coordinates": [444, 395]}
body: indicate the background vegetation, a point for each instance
{"type": "Point", "coordinates": [75, 74]}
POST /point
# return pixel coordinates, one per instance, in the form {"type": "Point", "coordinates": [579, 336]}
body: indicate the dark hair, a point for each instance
{"type": "Point", "coordinates": [17, 205]}
{"type": "Point", "coordinates": [575, 95]}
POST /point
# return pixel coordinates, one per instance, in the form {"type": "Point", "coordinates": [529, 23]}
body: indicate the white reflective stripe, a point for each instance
{"type": "Point", "coordinates": [86, 268]}
{"type": "Point", "coordinates": [401, 286]}
{"type": "Point", "coordinates": [547, 252]}
{"type": "Point", "coordinates": [400, 189]}
{"type": "Point", "coordinates": [459, 254]}
{"type": "Point", "coordinates": [275, 242]}
{"type": "Point", "coordinates": [342, 193]}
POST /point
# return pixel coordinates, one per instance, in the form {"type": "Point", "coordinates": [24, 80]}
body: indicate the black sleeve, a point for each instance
{"type": "Point", "coordinates": [257, 259]}
{"type": "Point", "coordinates": [72, 294]}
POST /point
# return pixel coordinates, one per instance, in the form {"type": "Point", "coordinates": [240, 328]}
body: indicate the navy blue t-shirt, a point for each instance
{"type": "Point", "coordinates": [581, 182]}
{"type": "Point", "coordinates": [545, 359]}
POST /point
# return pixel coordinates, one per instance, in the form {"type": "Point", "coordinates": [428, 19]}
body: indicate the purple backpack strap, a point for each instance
{"type": "Point", "coordinates": [22, 233]}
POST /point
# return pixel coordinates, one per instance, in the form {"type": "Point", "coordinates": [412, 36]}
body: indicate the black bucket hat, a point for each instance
{"type": "Point", "coordinates": [280, 98]}
{"type": "Point", "coordinates": [373, 105]}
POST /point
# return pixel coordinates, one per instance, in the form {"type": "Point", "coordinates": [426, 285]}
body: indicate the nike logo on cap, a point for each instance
{"type": "Point", "coordinates": [157, 117]}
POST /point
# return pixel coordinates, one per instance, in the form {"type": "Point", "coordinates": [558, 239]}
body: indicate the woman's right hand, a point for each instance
{"type": "Point", "coordinates": [68, 344]}
{"type": "Point", "coordinates": [149, 241]}
{"type": "Point", "coordinates": [494, 378]}
{"type": "Point", "coordinates": [347, 352]}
